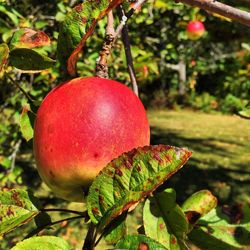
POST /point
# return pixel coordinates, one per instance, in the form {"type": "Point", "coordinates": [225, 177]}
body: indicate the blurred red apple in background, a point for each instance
{"type": "Point", "coordinates": [195, 29]}
{"type": "Point", "coordinates": [80, 127]}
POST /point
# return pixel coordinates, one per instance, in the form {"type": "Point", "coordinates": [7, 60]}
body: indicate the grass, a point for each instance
{"type": "Point", "coordinates": [221, 152]}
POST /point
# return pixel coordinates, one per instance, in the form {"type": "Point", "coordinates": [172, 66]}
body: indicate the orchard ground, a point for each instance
{"type": "Point", "coordinates": [221, 152]}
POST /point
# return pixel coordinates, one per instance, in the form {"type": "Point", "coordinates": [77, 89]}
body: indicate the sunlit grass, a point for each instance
{"type": "Point", "coordinates": [221, 151]}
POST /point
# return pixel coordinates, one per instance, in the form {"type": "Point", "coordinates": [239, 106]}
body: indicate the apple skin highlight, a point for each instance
{"type": "Point", "coordinates": [81, 126]}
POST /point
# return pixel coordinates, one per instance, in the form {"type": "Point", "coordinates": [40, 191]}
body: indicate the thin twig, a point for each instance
{"type": "Point", "coordinates": [20, 88]}
{"type": "Point", "coordinates": [13, 156]}
{"type": "Point", "coordinates": [63, 210]}
{"type": "Point", "coordinates": [39, 229]}
{"type": "Point", "coordinates": [127, 47]}
{"type": "Point", "coordinates": [127, 16]}
{"type": "Point", "coordinates": [222, 9]}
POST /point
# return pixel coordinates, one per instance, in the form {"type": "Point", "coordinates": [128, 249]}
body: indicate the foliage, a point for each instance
{"type": "Point", "coordinates": [48, 242]}
{"type": "Point", "coordinates": [217, 78]}
{"type": "Point", "coordinates": [232, 104]}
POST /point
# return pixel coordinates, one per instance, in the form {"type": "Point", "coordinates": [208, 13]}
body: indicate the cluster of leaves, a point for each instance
{"type": "Point", "coordinates": [126, 181]}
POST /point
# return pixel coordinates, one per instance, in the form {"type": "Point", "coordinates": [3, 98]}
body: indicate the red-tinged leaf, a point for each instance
{"type": "Point", "coordinates": [4, 54]}
{"type": "Point", "coordinates": [28, 38]}
{"type": "Point", "coordinates": [78, 27]}
{"type": "Point", "coordinates": [130, 178]}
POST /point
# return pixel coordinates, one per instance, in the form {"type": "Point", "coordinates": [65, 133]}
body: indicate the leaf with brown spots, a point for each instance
{"type": "Point", "coordinates": [139, 242]}
{"type": "Point", "coordinates": [141, 171]}
{"type": "Point", "coordinates": [28, 38]}
{"type": "Point", "coordinates": [78, 26]}
{"type": "Point", "coordinates": [198, 205]}
{"type": "Point", "coordinates": [16, 209]}
{"type": "Point", "coordinates": [164, 221]}
{"type": "Point", "coordinates": [218, 230]}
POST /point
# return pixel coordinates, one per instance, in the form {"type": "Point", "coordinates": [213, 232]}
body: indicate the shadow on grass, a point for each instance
{"type": "Point", "coordinates": [229, 185]}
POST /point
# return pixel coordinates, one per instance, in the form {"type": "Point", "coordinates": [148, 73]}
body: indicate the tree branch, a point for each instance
{"type": "Point", "coordinates": [39, 229]}
{"type": "Point", "coordinates": [222, 9]}
{"type": "Point", "coordinates": [89, 243]}
{"type": "Point", "coordinates": [102, 63]}
{"type": "Point", "coordinates": [181, 69]}
{"type": "Point", "coordinates": [127, 47]}
{"type": "Point", "coordinates": [127, 16]}
{"type": "Point", "coordinates": [12, 157]}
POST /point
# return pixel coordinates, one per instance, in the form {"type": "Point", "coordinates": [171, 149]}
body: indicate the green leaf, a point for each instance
{"type": "Point", "coordinates": [29, 60]}
{"type": "Point", "coordinates": [198, 205]}
{"type": "Point", "coordinates": [130, 178]}
{"type": "Point", "coordinates": [135, 242]}
{"type": "Point", "coordinates": [25, 124]}
{"type": "Point", "coordinates": [225, 226]}
{"type": "Point", "coordinates": [42, 220]}
{"type": "Point", "coordinates": [117, 230]}
{"type": "Point", "coordinates": [43, 242]}
{"type": "Point", "coordinates": [165, 221]}
{"type": "Point", "coordinates": [206, 241]}
{"type": "Point", "coordinates": [77, 27]}
{"type": "Point", "coordinates": [16, 209]}
{"type": "Point", "coordinates": [4, 55]}
{"type": "Point", "coordinates": [8, 12]}
{"type": "Point", "coordinates": [28, 38]}
{"type": "Point", "coordinates": [5, 162]}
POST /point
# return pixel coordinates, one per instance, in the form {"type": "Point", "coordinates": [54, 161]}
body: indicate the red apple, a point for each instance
{"type": "Point", "coordinates": [80, 127]}
{"type": "Point", "coordinates": [195, 29]}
